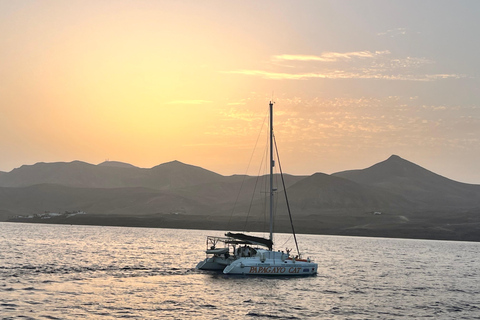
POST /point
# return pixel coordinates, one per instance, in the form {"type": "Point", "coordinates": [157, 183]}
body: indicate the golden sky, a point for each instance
{"type": "Point", "coordinates": [147, 82]}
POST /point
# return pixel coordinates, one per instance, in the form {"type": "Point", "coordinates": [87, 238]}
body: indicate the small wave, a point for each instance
{"type": "Point", "coordinates": [419, 288]}
{"type": "Point", "coordinates": [29, 267]}
{"type": "Point", "coordinates": [462, 308]}
{"type": "Point", "coordinates": [357, 291]}
{"type": "Point", "coordinates": [49, 281]}
{"type": "Point", "coordinates": [170, 302]}
{"type": "Point", "coordinates": [457, 290]}
{"type": "Point", "coordinates": [330, 292]}
{"type": "Point", "coordinates": [133, 268]}
{"type": "Point", "coordinates": [298, 308]}
{"type": "Point", "coordinates": [454, 309]}
{"type": "Point", "coordinates": [94, 271]}
{"type": "Point", "coordinates": [270, 316]}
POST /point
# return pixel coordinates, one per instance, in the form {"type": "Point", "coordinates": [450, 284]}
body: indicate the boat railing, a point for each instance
{"type": "Point", "coordinates": [235, 247]}
{"type": "Point", "coordinates": [213, 242]}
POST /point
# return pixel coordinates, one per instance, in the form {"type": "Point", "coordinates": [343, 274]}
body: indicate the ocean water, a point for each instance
{"type": "Point", "coordinates": [89, 272]}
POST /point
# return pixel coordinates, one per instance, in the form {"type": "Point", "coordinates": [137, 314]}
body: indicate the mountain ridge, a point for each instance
{"type": "Point", "coordinates": [406, 178]}
{"type": "Point", "coordinates": [119, 164]}
{"type": "Point", "coordinates": [394, 197]}
{"type": "Point", "coordinates": [106, 175]}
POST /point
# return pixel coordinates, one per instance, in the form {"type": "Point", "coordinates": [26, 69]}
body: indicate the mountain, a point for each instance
{"type": "Point", "coordinates": [321, 192]}
{"type": "Point", "coordinates": [233, 189]}
{"type": "Point", "coordinates": [393, 198]}
{"type": "Point", "coordinates": [108, 175]}
{"type": "Point", "coordinates": [427, 189]}
{"type": "Point", "coordinates": [73, 174]}
{"type": "Point", "coordinates": [117, 164]}
{"type": "Point", "coordinates": [175, 174]}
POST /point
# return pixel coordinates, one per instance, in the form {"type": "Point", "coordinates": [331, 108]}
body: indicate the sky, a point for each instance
{"type": "Point", "coordinates": [148, 82]}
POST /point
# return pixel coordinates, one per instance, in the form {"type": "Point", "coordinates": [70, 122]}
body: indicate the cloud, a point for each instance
{"type": "Point", "coordinates": [351, 65]}
{"type": "Point", "coordinates": [378, 123]}
{"type": "Point", "coordinates": [315, 126]}
{"type": "Point", "coordinates": [330, 56]}
{"type": "Point", "coordinates": [364, 74]}
{"type": "Point", "coordinates": [444, 76]}
{"type": "Point", "coordinates": [392, 33]}
{"type": "Point", "coordinates": [278, 75]}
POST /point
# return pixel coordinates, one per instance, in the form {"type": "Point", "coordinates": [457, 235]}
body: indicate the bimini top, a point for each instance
{"type": "Point", "coordinates": [251, 239]}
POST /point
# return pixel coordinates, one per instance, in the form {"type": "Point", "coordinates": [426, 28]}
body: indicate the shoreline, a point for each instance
{"type": "Point", "coordinates": [199, 222]}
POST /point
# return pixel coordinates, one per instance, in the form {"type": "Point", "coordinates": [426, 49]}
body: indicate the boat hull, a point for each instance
{"type": "Point", "coordinates": [271, 269]}
{"type": "Point", "coordinates": [213, 264]}
{"type": "Point", "coordinates": [271, 263]}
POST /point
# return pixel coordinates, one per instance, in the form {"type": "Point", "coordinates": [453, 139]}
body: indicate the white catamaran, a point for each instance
{"type": "Point", "coordinates": [241, 254]}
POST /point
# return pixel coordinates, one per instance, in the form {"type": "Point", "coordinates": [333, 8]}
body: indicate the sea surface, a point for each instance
{"type": "Point", "coordinates": [91, 272]}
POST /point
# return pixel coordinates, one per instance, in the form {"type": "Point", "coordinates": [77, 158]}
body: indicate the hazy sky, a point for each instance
{"type": "Point", "coordinates": [147, 82]}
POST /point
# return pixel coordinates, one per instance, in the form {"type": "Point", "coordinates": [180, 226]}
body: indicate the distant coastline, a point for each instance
{"type": "Point", "coordinates": [394, 198]}
{"type": "Point", "coordinates": [383, 229]}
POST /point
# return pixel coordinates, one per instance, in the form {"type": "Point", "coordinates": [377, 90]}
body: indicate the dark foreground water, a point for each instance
{"type": "Point", "coordinates": [87, 272]}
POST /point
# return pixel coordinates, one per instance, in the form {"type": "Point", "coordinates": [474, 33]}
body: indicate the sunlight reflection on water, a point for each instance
{"type": "Point", "coordinates": [71, 272]}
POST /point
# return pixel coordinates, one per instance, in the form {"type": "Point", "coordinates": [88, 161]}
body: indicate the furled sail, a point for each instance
{"type": "Point", "coordinates": [251, 239]}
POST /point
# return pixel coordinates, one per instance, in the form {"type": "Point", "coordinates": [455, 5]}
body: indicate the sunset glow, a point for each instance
{"type": "Point", "coordinates": [154, 81]}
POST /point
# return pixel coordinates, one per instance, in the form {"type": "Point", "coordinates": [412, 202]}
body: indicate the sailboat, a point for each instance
{"type": "Point", "coordinates": [242, 254]}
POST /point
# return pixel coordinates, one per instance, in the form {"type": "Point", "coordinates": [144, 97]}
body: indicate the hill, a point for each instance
{"type": "Point", "coordinates": [108, 175]}
{"type": "Point", "coordinates": [117, 164]}
{"type": "Point", "coordinates": [327, 192]}
{"type": "Point", "coordinates": [426, 189]}
{"type": "Point", "coordinates": [393, 198]}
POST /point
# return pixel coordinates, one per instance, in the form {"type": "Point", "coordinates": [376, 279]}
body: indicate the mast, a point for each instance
{"type": "Point", "coordinates": [272, 164]}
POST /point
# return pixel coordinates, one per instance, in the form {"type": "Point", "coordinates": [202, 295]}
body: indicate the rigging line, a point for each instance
{"type": "Point", "coordinates": [253, 194]}
{"type": "Point", "coordinates": [286, 197]}
{"type": "Point", "coordinates": [286, 241]}
{"type": "Point", "coordinates": [246, 172]}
